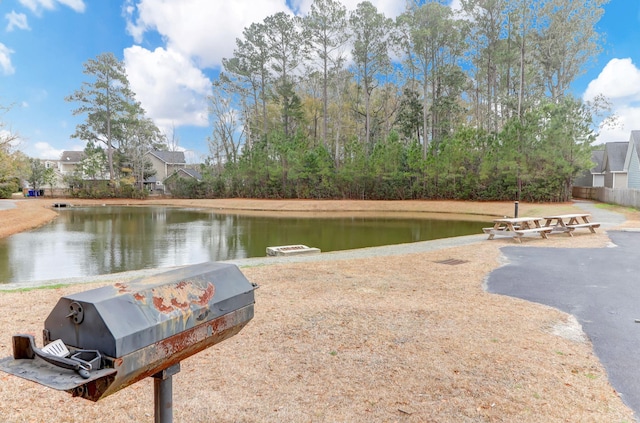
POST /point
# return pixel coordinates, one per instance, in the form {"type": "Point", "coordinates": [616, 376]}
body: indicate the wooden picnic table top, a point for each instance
{"type": "Point", "coordinates": [518, 219]}
{"type": "Point", "coordinates": [568, 216]}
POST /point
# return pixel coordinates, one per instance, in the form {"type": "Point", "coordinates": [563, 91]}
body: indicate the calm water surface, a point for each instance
{"type": "Point", "coordinates": [99, 240]}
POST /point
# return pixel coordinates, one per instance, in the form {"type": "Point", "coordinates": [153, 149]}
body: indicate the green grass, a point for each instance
{"type": "Point", "coordinates": [33, 288]}
{"type": "Point", "coordinates": [615, 207]}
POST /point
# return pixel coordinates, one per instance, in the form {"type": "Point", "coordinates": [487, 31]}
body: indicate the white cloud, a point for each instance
{"type": "Point", "coordinates": [170, 88]}
{"type": "Point", "coordinates": [36, 6]}
{"type": "Point", "coordinates": [619, 82]}
{"type": "Point", "coordinates": [77, 5]}
{"type": "Point", "coordinates": [44, 150]}
{"type": "Point", "coordinates": [390, 8]}
{"type": "Point", "coordinates": [627, 119]}
{"type": "Point", "coordinates": [456, 5]}
{"type": "Point", "coordinates": [194, 157]}
{"type": "Point", "coordinates": [5, 60]}
{"type": "Point", "coordinates": [206, 30]}
{"type": "Point", "coordinates": [203, 30]}
{"type": "Point", "coordinates": [7, 134]}
{"type": "Point", "coordinates": [16, 20]}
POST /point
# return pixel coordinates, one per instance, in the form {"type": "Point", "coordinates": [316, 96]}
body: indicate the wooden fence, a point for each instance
{"type": "Point", "coordinates": [622, 196]}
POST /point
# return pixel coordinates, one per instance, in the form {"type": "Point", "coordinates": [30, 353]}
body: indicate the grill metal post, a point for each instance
{"type": "Point", "coordinates": [163, 394]}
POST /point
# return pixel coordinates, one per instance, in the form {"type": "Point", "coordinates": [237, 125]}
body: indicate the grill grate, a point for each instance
{"type": "Point", "coordinates": [452, 262]}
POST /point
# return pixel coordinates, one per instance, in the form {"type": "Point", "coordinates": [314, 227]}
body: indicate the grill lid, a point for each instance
{"type": "Point", "coordinates": [119, 319]}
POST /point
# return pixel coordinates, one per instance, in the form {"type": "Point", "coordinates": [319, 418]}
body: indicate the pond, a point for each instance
{"type": "Point", "coordinates": [87, 241]}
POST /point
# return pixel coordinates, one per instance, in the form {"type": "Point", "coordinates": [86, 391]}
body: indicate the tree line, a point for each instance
{"type": "Point", "coordinates": [433, 104]}
{"type": "Point", "coordinates": [469, 104]}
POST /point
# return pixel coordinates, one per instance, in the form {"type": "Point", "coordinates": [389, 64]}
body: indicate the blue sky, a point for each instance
{"type": "Point", "coordinates": [172, 50]}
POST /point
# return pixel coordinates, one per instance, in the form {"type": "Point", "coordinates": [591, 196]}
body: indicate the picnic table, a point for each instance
{"type": "Point", "coordinates": [570, 222]}
{"type": "Point", "coordinates": [517, 227]}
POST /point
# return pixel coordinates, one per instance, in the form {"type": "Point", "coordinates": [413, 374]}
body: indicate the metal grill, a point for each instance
{"type": "Point", "coordinates": [100, 341]}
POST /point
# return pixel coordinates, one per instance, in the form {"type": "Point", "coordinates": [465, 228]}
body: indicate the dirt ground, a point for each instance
{"type": "Point", "coordinates": [394, 339]}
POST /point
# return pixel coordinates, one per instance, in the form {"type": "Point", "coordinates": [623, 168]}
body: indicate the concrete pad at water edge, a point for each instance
{"type": "Point", "coordinates": [7, 204]}
{"type": "Point", "coordinates": [599, 286]}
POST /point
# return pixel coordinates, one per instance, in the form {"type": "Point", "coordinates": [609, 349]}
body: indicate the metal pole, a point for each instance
{"type": "Point", "coordinates": [516, 210]}
{"type": "Point", "coordinates": [163, 394]}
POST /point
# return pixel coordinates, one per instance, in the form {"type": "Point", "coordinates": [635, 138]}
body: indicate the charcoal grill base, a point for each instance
{"type": "Point", "coordinates": [39, 371]}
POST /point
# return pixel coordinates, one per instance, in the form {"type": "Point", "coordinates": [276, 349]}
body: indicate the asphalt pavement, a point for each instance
{"type": "Point", "coordinates": [599, 286]}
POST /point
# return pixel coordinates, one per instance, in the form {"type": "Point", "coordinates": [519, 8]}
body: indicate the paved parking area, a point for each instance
{"type": "Point", "coordinates": [599, 286]}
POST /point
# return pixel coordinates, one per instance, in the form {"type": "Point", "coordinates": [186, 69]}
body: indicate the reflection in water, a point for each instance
{"type": "Point", "coordinates": [98, 240]}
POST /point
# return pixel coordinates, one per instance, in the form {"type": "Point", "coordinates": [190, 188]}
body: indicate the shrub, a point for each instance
{"type": "Point", "coordinates": [7, 189]}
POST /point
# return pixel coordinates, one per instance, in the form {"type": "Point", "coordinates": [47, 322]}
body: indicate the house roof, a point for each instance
{"type": "Point", "coordinates": [597, 157]}
{"type": "Point", "coordinates": [614, 156]}
{"type": "Point", "coordinates": [633, 148]}
{"type": "Point", "coordinates": [169, 157]}
{"type": "Point", "coordinates": [186, 172]}
{"type": "Point", "coordinates": [72, 156]}
{"type": "Point", "coordinates": [192, 172]}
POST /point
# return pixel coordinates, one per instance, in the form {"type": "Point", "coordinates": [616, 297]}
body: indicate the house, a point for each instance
{"type": "Point", "coordinates": [613, 162]}
{"type": "Point", "coordinates": [69, 160]}
{"type": "Point", "coordinates": [165, 163]}
{"type": "Point", "coordinates": [64, 166]}
{"type": "Point", "coordinates": [620, 174]}
{"type": "Point", "coordinates": [617, 166]}
{"type": "Point", "coordinates": [593, 177]}
{"type": "Point", "coordinates": [632, 161]}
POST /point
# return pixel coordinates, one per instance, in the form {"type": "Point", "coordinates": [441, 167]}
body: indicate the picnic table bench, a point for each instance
{"type": "Point", "coordinates": [518, 227]}
{"type": "Point", "coordinates": [570, 222]}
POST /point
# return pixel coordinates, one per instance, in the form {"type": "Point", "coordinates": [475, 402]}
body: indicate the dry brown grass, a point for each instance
{"type": "Point", "coordinates": [398, 339]}
{"type": "Point", "coordinates": [27, 215]}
